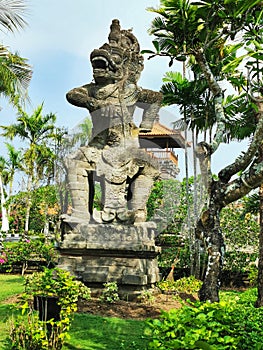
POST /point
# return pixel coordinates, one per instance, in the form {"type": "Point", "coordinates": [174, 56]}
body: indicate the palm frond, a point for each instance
{"type": "Point", "coordinates": [15, 75]}
{"type": "Point", "coordinates": [11, 14]}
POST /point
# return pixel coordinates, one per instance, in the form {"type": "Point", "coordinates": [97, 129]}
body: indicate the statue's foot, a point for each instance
{"type": "Point", "coordinates": [125, 216]}
{"type": "Point", "coordinates": [140, 215]}
{"type": "Point", "coordinates": [108, 215]}
{"type": "Point", "coordinates": [84, 218]}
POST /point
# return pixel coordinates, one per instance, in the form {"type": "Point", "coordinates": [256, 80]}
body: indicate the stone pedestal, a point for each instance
{"type": "Point", "coordinates": [100, 253]}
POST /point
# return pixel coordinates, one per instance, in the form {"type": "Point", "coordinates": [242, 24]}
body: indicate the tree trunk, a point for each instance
{"type": "Point", "coordinates": [28, 201]}
{"type": "Point", "coordinates": [259, 301]}
{"type": "Point", "coordinates": [5, 223]}
{"type": "Point", "coordinates": [209, 226]}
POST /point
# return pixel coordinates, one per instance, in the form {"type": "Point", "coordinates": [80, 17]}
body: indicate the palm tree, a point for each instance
{"type": "Point", "coordinates": [3, 180]}
{"type": "Point", "coordinates": [7, 172]}
{"type": "Point", "coordinates": [83, 132]}
{"type": "Point", "coordinates": [14, 163]}
{"type": "Point", "coordinates": [36, 130]}
{"type": "Point", "coordinates": [15, 73]}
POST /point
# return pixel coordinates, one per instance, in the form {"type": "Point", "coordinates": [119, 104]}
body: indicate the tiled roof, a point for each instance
{"type": "Point", "coordinates": [163, 135]}
{"type": "Point", "coordinates": [160, 130]}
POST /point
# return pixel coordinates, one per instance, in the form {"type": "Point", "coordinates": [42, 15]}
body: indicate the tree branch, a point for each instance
{"type": "Point", "coordinates": [241, 186]}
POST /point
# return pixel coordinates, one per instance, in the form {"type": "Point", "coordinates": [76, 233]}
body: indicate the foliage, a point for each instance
{"type": "Point", "coordinates": [175, 251]}
{"type": "Point", "coordinates": [110, 292]}
{"type": "Point", "coordinates": [146, 297]}
{"type": "Point", "coordinates": [45, 208]}
{"type": "Point", "coordinates": [216, 40]}
{"type": "Point", "coordinates": [39, 132]}
{"type": "Point", "coordinates": [241, 237]}
{"type": "Point", "coordinates": [97, 201]}
{"type": "Point", "coordinates": [87, 331]}
{"type": "Point", "coordinates": [22, 252]}
{"type": "Point", "coordinates": [233, 324]}
{"type": "Point", "coordinates": [167, 204]}
{"type": "Point", "coordinates": [34, 333]}
{"type": "Point", "coordinates": [15, 72]}
{"type": "Point", "coordinates": [188, 285]}
{"type": "Point", "coordinates": [58, 283]}
{"type": "Point", "coordinates": [240, 231]}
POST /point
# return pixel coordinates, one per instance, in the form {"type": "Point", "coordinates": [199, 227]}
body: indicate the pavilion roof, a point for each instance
{"type": "Point", "coordinates": [162, 137]}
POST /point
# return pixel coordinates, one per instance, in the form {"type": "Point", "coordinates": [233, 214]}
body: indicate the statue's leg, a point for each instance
{"type": "Point", "coordinates": [115, 204]}
{"type": "Point", "coordinates": [140, 190]}
{"type": "Point", "coordinates": [78, 183]}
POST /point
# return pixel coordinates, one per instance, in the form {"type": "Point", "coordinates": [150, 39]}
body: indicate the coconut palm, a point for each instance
{"type": "Point", "coordinates": [3, 180]}
{"type": "Point", "coordinates": [15, 72]}
{"type": "Point", "coordinates": [36, 129]}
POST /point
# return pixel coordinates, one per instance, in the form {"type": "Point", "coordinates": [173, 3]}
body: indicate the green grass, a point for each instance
{"type": "Point", "coordinates": [98, 333]}
{"type": "Point", "coordinates": [10, 285]}
{"type": "Point", "coordinates": [91, 332]}
{"type": "Point", "coordinates": [87, 331]}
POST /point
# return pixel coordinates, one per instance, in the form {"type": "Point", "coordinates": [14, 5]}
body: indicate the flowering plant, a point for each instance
{"type": "Point", "coordinates": [20, 254]}
{"type": "Point", "coordinates": [3, 258]}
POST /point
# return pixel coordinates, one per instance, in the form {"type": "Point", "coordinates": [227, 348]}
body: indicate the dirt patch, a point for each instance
{"type": "Point", "coordinates": [127, 309]}
{"type": "Point", "coordinates": [133, 310]}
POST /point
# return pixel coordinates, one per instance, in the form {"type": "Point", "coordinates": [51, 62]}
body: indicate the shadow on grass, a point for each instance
{"type": "Point", "coordinates": [12, 279]}
{"type": "Point", "coordinates": [91, 332]}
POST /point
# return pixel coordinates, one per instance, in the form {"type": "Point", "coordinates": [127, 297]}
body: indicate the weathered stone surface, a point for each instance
{"type": "Point", "coordinates": [100, 253]}
{"type": "Point", "coordinates": [116, 243]}
{"type": "Point", "coordinates": [113, 157]}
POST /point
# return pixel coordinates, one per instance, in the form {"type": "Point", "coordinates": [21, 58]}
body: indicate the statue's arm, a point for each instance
{"type": "Point", "coordinates": [83, 96]}
{"type": "Point", "coordinates": [150, 101]}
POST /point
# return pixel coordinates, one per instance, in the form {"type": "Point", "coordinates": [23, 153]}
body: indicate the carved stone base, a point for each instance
{"type": "Point", "coordinates": [100, 253]}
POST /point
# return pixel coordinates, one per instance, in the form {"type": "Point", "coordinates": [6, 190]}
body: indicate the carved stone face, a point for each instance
{"type": "Point", "coordinates": [107, 63]}
{"type": "Point", "coordinates": [118, 59]}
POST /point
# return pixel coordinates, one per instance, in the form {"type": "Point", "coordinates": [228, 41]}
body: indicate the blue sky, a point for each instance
{"type": "Point", "coordinates": [57, 43]}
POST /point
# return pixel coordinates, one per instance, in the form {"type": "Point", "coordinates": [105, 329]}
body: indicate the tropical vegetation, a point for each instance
{"type": "Point", "coordinates": [216, 38]}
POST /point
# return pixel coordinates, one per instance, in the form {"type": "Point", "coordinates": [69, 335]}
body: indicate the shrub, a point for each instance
{"type": "Point", "coordinates": [22, 252]}
{"type": "Point", "coordinates": [110, 292]}
{"type": "Point", "coordinates": [44, 332]}
{"type": "Point", "coordinates": [188, 285]}
{"type": "Point", "coordinates": [234, 324]}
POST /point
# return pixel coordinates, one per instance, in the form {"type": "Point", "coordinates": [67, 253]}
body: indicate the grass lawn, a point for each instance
{"type": "Point", "coordinates": [9, 286]}
{"type": "Point", "coordinates": [96, 333]}
{"type": "Point", "coordinates": [87, 331]}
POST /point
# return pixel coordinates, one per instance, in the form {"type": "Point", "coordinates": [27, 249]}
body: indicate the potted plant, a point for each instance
{"type": "Point", "coordinates": [55, 294]}
{"type": "Point", "coordinates": [57, 288]}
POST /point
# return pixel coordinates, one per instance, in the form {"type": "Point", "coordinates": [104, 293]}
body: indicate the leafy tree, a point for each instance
{"type": "Point", "coordinates": [209, 34]}
{"type": "Point", "coordinates": [45, 210]}
{"type": "Point", "coordinates": [83, 132]}
{"type": "Point", "coordinates": [241, 237]}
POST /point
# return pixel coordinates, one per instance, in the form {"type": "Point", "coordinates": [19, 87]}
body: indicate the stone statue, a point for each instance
{"type": "Point", "coordinates": [113, 157]}
{"type": "Point", "coordinates": [116, 243]}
